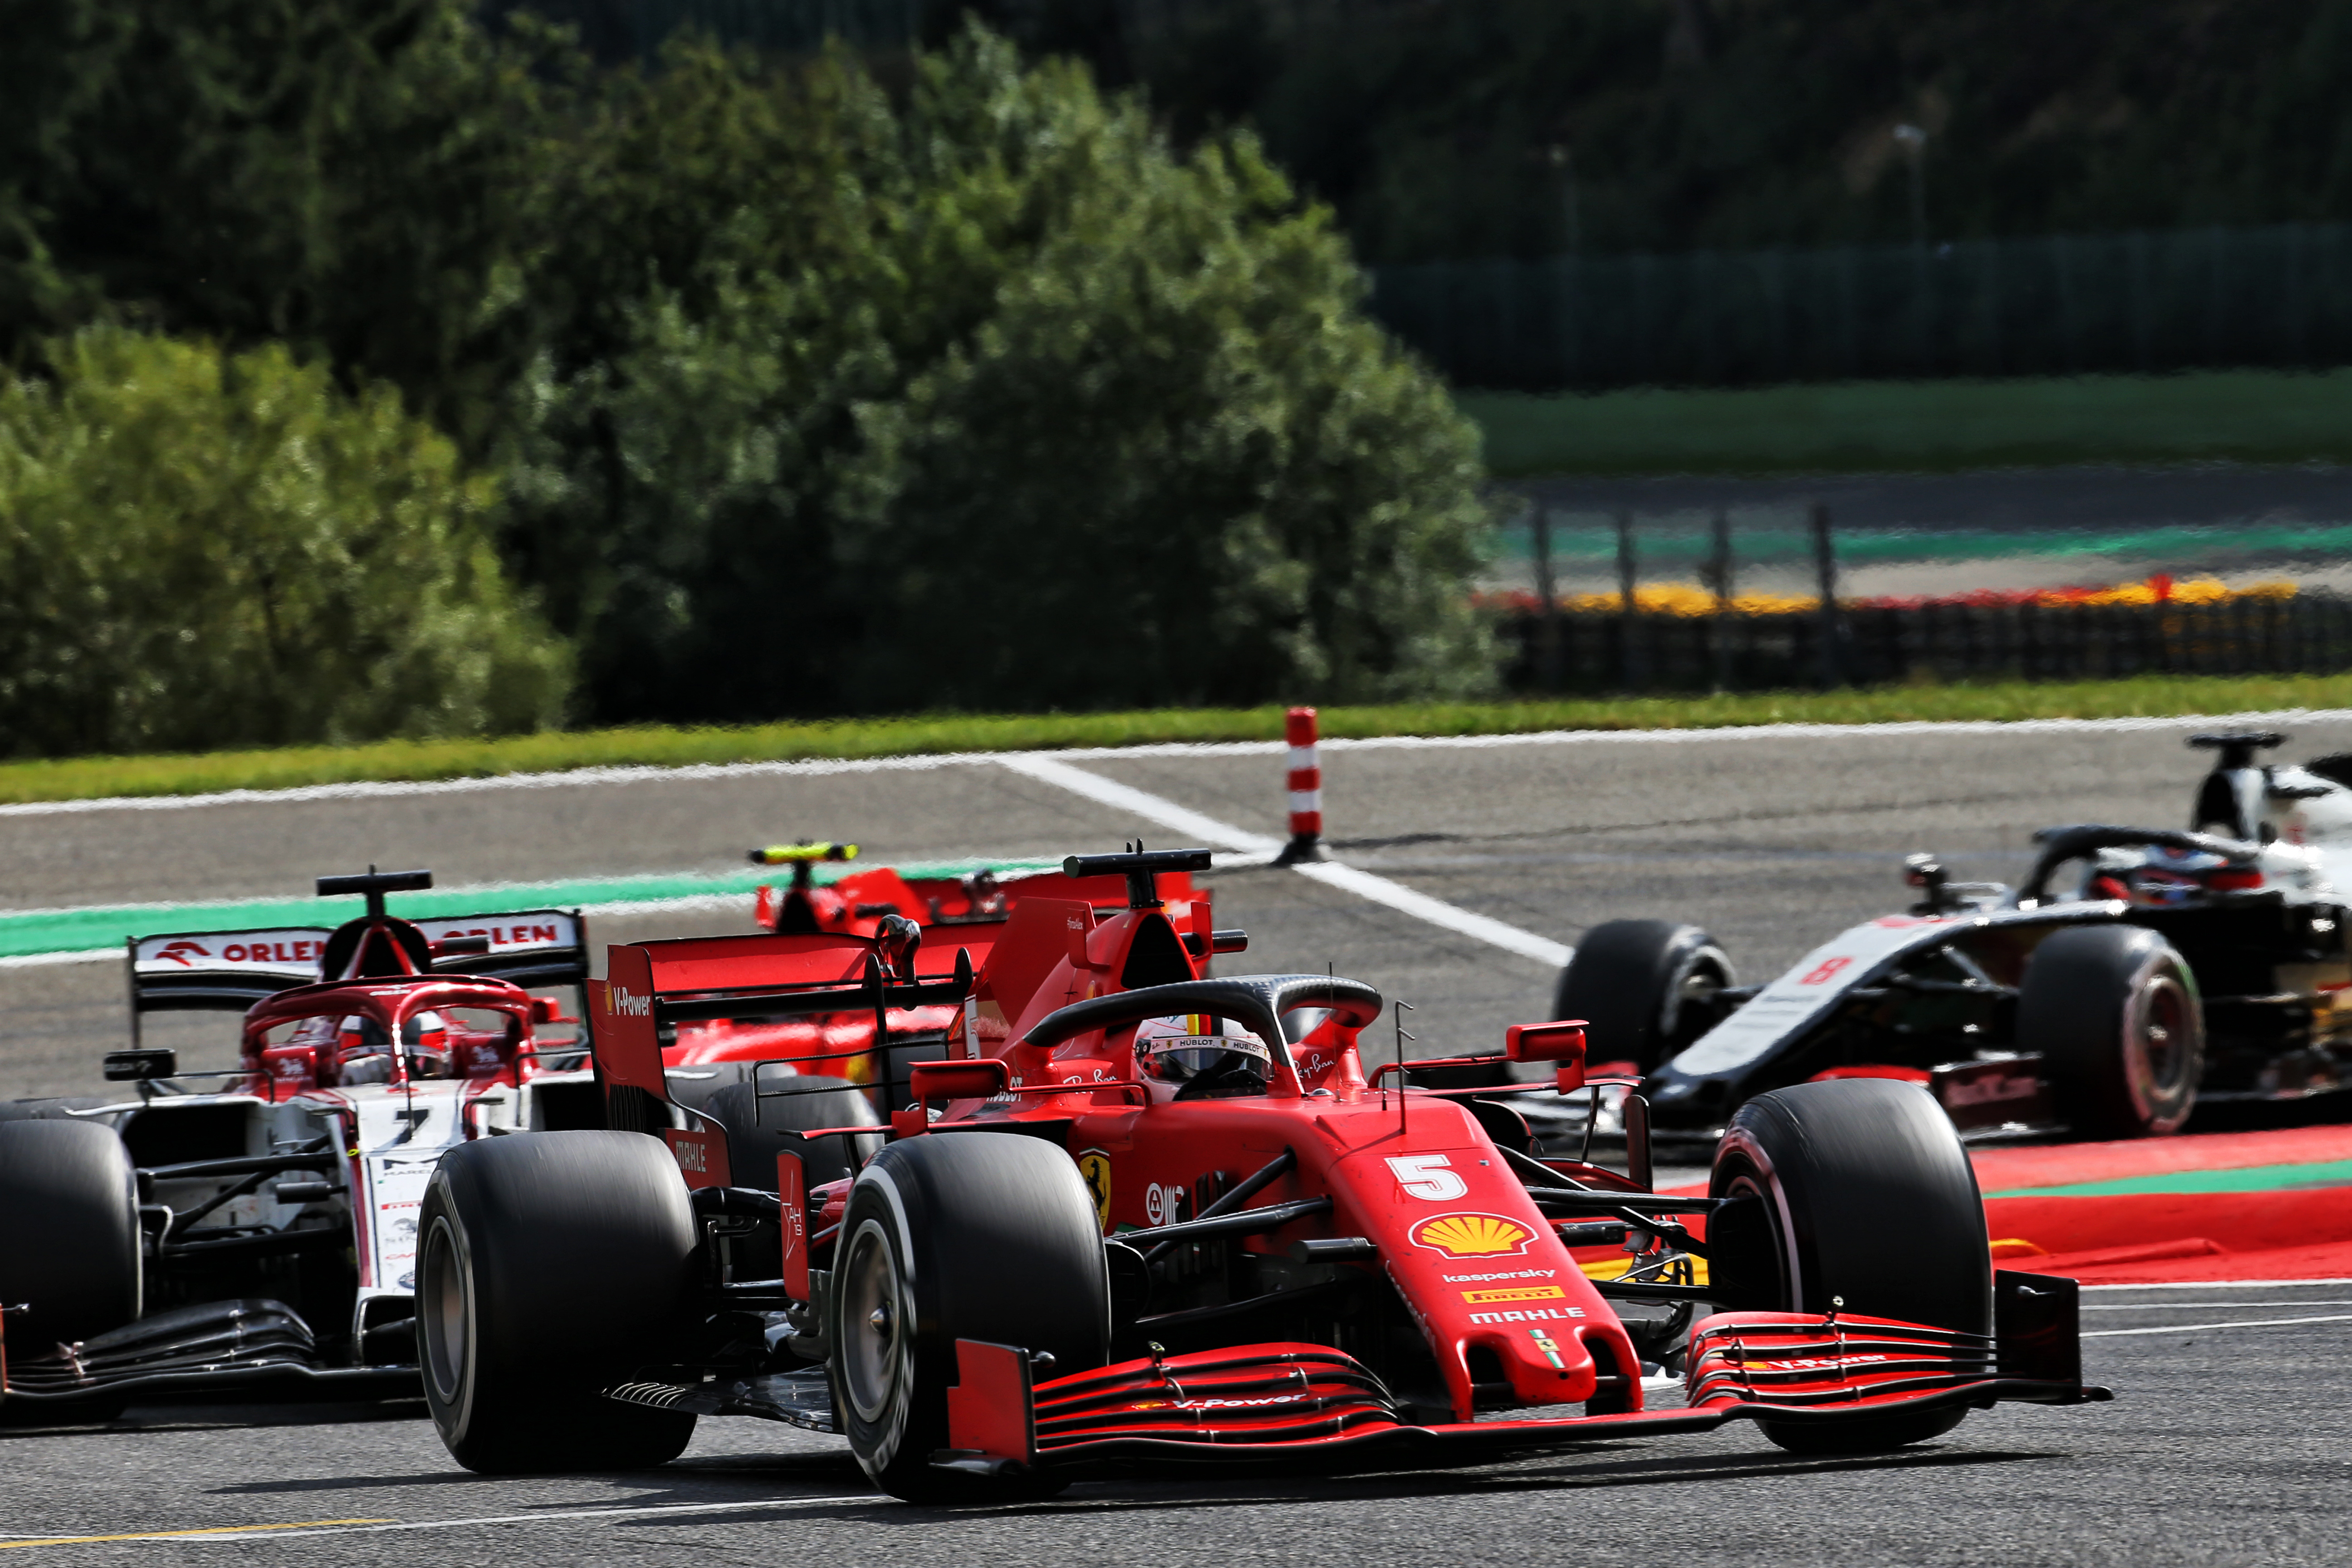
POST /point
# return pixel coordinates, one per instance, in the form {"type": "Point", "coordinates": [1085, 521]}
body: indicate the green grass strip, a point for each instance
{"type": "Point", "coordinates": [1931, 427]}
{"type": "Point", "coordinates": [2248, 1179]}
{"type": "Point", "coordinates": [2153, 697]}
{"type": "Point", "coordinates": [27, 932]}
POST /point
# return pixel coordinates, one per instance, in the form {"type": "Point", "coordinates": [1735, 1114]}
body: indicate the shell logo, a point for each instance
{"type": "Point", "coordinates": [1472, 1236]}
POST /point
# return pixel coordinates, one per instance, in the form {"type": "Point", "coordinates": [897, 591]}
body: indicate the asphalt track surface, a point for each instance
{"type": "Point", "coordinates": [2226, 1443]}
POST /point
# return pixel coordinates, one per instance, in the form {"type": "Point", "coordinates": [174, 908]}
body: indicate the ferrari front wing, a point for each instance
{"type": "Point", "coordinates": [1312, 1405]}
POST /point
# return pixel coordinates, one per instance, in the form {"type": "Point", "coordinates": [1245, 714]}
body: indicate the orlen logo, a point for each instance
{"type": "Point", "coordinates": [179, 951]}
{"type": "Point", "coordinates": [630, 1006]}
{"type": "Point", "coordinates": [271, 953]}
{"type": "Point", "coordinates": [504, 936]}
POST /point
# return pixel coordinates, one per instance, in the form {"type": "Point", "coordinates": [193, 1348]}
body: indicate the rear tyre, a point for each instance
{"type": "Point", "coordinates": [1858, 1189]}
{"type": "Point", "coordinates": [551, 1265]}
{"type": "Point", "coordinates": [975, 1236]}
{"type": "Point", "coordinates": [760, 1127]}
{"type": "Point", "coordinates": [2114, 1014]}
{"type": "Point", "coordinates": [1645, 987]}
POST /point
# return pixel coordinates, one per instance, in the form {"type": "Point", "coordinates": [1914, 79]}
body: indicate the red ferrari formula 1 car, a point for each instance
{"type": "Point", "coordinates": [1137, 1215]}
{"type": "Point", "coordinates": [261, 1234]}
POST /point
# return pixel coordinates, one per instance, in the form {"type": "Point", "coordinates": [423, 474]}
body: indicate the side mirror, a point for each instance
{"type": "Point", "coordinates": [1561, 1042]}
{"type": "Point", "coordinates": [139, 1065]}
{"type": "Point", "coordinates": [546, 1010]}
{"type": "Point", "coordinates": [980, 1079]}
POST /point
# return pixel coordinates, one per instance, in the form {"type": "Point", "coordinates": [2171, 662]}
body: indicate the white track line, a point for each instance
{"type": "Point", "coordinates": [35, 960]}
{"type": "Point", "coordinates": [2222, 1284]}
{"type": "Point", "coordinates": [1158, 811]}
{"type": "Point", "coordinates": [1437, 912]}
{"type": "Point", "coordinates": [2195, 1305]}
{"type": "Point", "coordinates": [646, 773]}
{"type": "Point", "coordinates": [1163, 813]}
{"type": "Point", "coordinates": [2196, 1327]}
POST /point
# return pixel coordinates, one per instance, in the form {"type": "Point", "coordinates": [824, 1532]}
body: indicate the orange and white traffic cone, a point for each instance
{"type": "Point", "coordinates": [1305, 790]}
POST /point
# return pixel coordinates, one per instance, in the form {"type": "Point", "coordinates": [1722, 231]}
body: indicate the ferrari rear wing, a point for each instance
{"type": "Point", "coordinates": [229, 971]}
{"type": "Point", "coordinates": [650, 987]}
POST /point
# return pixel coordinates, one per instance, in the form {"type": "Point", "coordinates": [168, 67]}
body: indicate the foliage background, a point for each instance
{"type": "Point", "coordinates": [199, 548]}
{"type": "Point", "coordinates": [807, 387]}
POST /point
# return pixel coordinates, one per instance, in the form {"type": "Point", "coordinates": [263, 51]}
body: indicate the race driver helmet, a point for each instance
{"type": "Point", "coordinates": [363, 1051]}
{"type": "Point", "coordinates": [1189, 1045]}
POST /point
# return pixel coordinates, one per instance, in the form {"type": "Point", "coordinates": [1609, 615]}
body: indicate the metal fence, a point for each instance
{"type": "Point", "coordinates": [1588, 653]}
{"type": "Point", "coordinates": [2053, 305]}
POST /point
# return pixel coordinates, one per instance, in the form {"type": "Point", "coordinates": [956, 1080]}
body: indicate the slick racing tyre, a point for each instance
{"type": "Point", "coordinates": [70, 1251]}
{"type": "Point", "coordinates": [2114, 1014]}
{"type": "Point", "coordinates": [550, 1265]}
{"type": "Point", "coordinates": [1645, 987]}
{"type": "Point", "coordinates": [760, 1127]}
{"type": "Point", "coordinates": [973, 1235]}
{"type": "Point", "coordinates": [1857, 1189]}
{"type": "Point", "coordinates": [69, 1241]}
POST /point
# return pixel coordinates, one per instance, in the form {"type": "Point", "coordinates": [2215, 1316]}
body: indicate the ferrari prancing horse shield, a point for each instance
{"type": "Point", "coordinates": [1095, 1166]}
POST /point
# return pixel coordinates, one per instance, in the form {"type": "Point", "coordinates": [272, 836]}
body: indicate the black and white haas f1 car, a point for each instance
{"type": "Point", "coordinates": [2133, 972]}
{"type": "Point", "coordinates": [261, 1235]}
{"type": "Point", "coordinates": [1141, 1216]}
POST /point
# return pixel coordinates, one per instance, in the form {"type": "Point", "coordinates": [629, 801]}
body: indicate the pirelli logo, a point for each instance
{"type": "Point", "coordinates": [1515, 1293]}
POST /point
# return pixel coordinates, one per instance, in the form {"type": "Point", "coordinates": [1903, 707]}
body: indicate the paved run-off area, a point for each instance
{"type": "Point", "coordinates": [2226, 1443]}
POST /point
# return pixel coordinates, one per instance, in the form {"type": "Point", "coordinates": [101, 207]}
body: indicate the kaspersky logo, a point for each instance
{"type": "Point", "coordinates": [181, 952]}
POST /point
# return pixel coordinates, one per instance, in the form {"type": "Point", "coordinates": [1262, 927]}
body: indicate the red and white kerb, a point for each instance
{"type": "Point", "coordinates": [1305, 777]}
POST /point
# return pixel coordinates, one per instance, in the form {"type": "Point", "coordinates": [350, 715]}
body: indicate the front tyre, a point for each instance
{"type": "Point", "coordinates": [1856, 1189]}
{"type": "Point", "coordinates": [70, 1249]}
{"type": "Point", "coordinates": [550, 1265]}
{"type": "Point", "coordinates": [2114, 1012]}
{"type": "Point", "coordinates": [974, 1236]}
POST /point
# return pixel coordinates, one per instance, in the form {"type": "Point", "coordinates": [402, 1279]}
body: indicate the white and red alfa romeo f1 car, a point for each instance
{"type": "Point", "coordinates": [261, 1234]}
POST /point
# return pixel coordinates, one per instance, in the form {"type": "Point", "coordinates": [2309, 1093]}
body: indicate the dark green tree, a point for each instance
{"type": "Point", "coordinates": [984, 398]}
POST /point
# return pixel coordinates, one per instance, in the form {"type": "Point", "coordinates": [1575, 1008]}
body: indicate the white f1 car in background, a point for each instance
{"type": "Point", "coordinates": [263, 1234]}
{"type": "Point", "coordinates": [2133, 972]}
